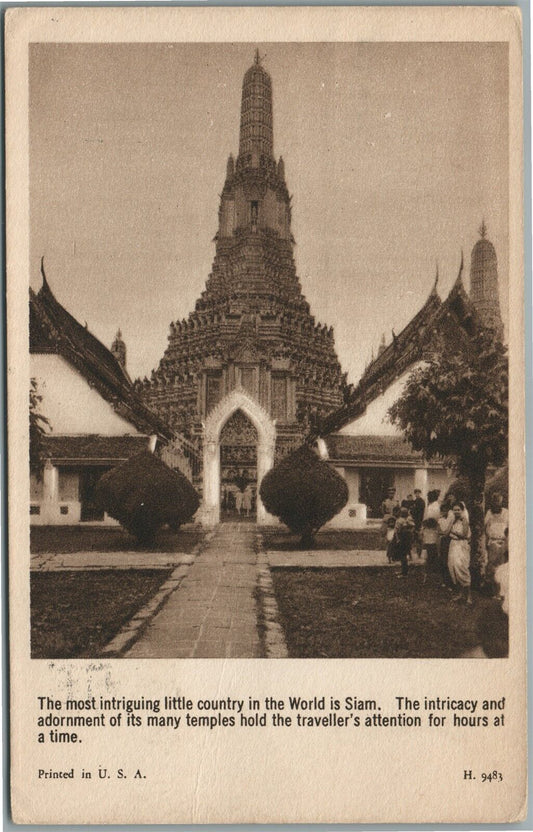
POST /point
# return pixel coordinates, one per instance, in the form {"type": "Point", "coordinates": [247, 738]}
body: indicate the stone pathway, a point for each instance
{"type": "Point", "coordinates": [108, 560]}
{"type": "Point", "coordinates": [214, 612]}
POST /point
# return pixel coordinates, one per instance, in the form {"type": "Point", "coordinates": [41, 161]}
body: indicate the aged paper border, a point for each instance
{"type": "Point", "coordinates": [262, 777]}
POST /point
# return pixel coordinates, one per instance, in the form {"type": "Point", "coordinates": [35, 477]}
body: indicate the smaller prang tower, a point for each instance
{"type": "Point", "coordinates": [118, 349]}
{"type": "Point", "coordinates": [484, 288]}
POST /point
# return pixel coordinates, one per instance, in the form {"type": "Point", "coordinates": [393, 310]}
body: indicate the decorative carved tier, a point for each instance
{"type": "Point", "coordinates": [251, 328]}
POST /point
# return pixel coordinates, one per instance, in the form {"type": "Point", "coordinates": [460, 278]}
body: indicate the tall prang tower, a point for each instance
{"type": "Point", "coordinates": [251, 329]}
{"type": "Point", "coordinates": [484, 289]}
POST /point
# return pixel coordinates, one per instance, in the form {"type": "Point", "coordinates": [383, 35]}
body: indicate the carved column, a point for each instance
{"type": "Point", "coordinates": [211, 490]}
{"type": "Point", "coordinates": [50, 493]}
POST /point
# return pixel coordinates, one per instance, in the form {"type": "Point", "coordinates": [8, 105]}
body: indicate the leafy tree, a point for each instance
{"type": "Point", "coordinates": [143, 494]}
{"type": "Point", "coordinates": [304, 491]}
{"type": "Point", "coordinates": [456, 405]}
{"type": "Point", "coordinates": [38, 425]}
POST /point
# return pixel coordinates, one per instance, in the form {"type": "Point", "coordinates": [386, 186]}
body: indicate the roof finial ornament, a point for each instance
{"type": "Point", "coordinates": [43, 274]}
{"type": "Point", "coordinates": [483, 229]}
{"type": "Point", "coordinates": [257, 59]}
{"type": "Point", "coordinates": [460, 275]}
{"type": "Point", "coordinates": [436, 283]}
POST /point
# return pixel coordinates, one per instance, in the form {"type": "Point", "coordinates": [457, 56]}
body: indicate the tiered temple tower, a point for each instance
{"type": "Point", "coordinates": [484, 290]}
{"type": "Point", "coordinates": [252, 329]}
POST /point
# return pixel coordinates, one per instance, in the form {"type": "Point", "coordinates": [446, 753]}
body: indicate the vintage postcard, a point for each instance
{"type": "Point", "coordinates": [265, 330]}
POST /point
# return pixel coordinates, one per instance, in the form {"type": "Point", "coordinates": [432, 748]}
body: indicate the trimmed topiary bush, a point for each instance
{"type": "Point", "coordinates": [304, 491]}
{"type": "Point", "coordinates": [143, 494]}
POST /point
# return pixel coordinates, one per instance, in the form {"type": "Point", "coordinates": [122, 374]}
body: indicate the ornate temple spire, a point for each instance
{"type": "Point", "coordinates": [118, 349]}
{"type": "Point", "coordinates": [484, 288]}
{"type": "Point", "coordinates": [256, 133]}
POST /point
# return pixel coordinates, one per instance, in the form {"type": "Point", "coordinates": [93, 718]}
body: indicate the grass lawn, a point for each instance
{"type": "Point", "coordinates": [67, 539]}
{"type": "Point", "coordinates": [75, 614]}
{"type": "Point", "coordinates": [370, 613]}
{"type": "Point", "coordinates": [282, 540]}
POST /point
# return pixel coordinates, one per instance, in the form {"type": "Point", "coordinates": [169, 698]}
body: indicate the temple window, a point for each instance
{"type": "Point", "coordinates": [213, 392]}
{"type": "Point", "coordinates": [68, 485]}
{"type": "Point", "coordinates": [279, 398]}
{"type": "Point", "coordinates": [248, 379]}
{"type": "Point", "coordinates": [254, 212]}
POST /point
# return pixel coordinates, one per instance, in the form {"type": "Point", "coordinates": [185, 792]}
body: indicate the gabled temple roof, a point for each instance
{"type": "Point", "coordinates": [388, 450]}
{"type": "Point", "coordinates": [91, 447]}
{"type": "Point", "coordinates": [413, 343]}
{"type": "Point", "coordinates": [54, 330]}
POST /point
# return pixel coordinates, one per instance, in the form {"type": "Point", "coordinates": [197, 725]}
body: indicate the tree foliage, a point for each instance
{"type": "Point", "coordinates": [143, 494]}
{"type": "Point", "coordinates": [304, 491]}
{"type": "Point", "coordinates": [38, 425]}
{"type": "Point", "coordinates": [457, 405]}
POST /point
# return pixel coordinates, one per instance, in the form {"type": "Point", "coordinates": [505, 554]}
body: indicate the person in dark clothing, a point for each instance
{"type": "Point", "coordinates": [408, 503]}
{"type": "Point", "coordinates": [417, 513]}
{"type": "Point", "coordinates": [403, 538]}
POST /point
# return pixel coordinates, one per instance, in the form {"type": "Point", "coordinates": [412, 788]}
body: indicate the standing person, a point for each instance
{"type": "Point", "coordinates": [238, 500]}
{"type": "Point", "coordinates": [459, 553]}
{"type": "Point", "coordinates": [247, 500]}
{"type": "Point", "coordinates": [444, 524]}
{"type": "Point", "coordinates": [389, 504]}
{"type": "Point", "coordinates": [496, 526]}
{"type": "Point", "coordinates": [429, 539]}
{"type": "Point", "coordinates": [408, 503]}
{"type": "Point", "coordinates": [403, 539]}
{"type": "Point", "coordinates": [417, 513]}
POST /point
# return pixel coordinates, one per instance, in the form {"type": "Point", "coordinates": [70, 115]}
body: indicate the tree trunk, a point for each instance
{"type": "Point", "coordinates": [478, 555]}
{"type": "Point", "coordinates": [307, 540]}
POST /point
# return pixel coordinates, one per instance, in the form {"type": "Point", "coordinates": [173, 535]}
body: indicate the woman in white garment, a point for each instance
{"type": "Point", "coordinates": [459, 553]}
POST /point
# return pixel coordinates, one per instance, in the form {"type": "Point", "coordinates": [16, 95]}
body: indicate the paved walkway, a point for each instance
{"type": "Point", "coordinates": [213, 613]}
{"type": "Point", "coordinates": [108, 560]}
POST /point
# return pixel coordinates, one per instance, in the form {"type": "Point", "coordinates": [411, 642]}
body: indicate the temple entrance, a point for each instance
{"type": "Point", "coordinates": [238, 450]}
{"type": "Point", "coordinates": [238, 469]}
{"type": "Point", "coordinates": [375, 483]}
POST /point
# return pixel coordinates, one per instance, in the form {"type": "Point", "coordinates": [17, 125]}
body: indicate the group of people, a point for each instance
{"type": "Point", "coordinates": [443, 531]}
{"type": "Point", "coordinates": [238, 501]}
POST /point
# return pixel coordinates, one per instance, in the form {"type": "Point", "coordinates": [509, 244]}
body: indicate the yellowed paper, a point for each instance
{"type": "Point", "coordinates": [211, 700]}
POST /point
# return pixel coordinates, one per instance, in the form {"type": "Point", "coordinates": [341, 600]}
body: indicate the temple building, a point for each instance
{"type": "Point", "coordinates": [94, 418]}
{"type": "Point", "coordinates": [364, 446]}
{"type": "Point", "coordinates": [250, 369]}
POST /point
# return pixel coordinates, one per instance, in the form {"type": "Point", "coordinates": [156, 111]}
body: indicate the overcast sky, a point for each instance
{"type": "Point", "coordinates": [393, 154]}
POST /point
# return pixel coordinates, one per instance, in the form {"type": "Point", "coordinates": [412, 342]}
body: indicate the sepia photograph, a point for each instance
{"type": "Point", "coordinates": [265, 332]}
{"type": "Point", "coordinates": [269, 375]}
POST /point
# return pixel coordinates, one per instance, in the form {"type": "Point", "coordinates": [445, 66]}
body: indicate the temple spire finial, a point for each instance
{"type": "Point", "coordinates": [483, 229]}
{"type": "Point", "coordinates": [43, 274]}
{"type": "Point", "coordinates": [436, 282]}
{"type": "Point", "coordinates": [257, 59]}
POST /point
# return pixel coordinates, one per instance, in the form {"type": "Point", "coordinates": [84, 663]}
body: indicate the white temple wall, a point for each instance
{"type": "Point", "coordinates": [70, 404]}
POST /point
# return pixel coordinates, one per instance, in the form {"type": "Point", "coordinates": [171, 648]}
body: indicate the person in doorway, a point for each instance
{"type": "Point", "coordinates": [389, 504]}
{"type": "Point", "coordinates": [247, 500]}
{"type": "Point", "coordinates": [459, 553]}
{"type": "Point", "coordinates": [239, 496]}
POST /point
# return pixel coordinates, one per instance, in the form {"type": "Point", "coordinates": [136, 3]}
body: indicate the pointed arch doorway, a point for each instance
{"type": "Point", "coordinates": [238, 468]}
{"type": "Point", "coordinates": [237, 409]}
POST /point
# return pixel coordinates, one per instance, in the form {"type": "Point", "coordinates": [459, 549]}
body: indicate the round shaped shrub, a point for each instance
{"type": "Point", "coordinates": [304, 492]}
{"type": "Point", "coordinates": [143, 494]}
